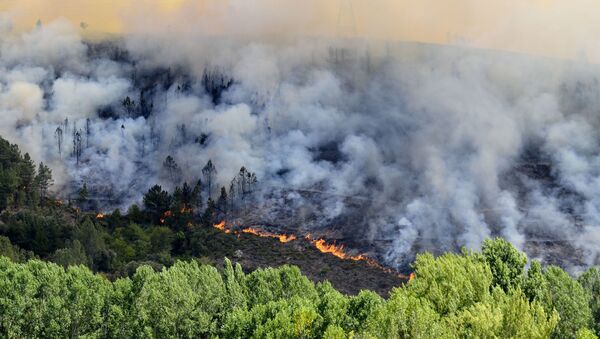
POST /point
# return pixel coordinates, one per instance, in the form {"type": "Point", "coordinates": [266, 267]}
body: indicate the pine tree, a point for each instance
{"type": "Point", "coordinates": [222, 201]}
{"type": "Point", "coordinates": [196, 199]}
{"type": "Point", "coordinates": [43, 180]}
{"type": "Point", "coordinates": [27, 177]}
{"type": "Point", "coordinates": [209, 213]}
{"type": "Point", "coordinates": [157, 201]}
{"type": "Point", "coordinates": [58, 134]}
{"type": "Point", "coordinates": [172, 169]}
{"type": "Point", "coordinates": [83, 194]}
{"type": "Point", "coordinates": [129, 106]}
{"type": "Point", "coordinates": [209, 172]}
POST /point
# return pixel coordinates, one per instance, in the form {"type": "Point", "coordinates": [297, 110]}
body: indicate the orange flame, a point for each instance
{"type": "Point", "coordinates": [221, 226]}
{"type": "Point", "coordinates": [99, 216]}
{"type": "Point", "coordinates": [411, 277]}
{"type": "Point", "coordinates": [184, 209]}
{"type": "Point", "coordinates": [336, 250]}
{"type": "Point", "coordinates": [283, 238]}
{"type": "Point", "coordinates": [324, 247]}
{"type": "Point", "coordinates": [165, 216]}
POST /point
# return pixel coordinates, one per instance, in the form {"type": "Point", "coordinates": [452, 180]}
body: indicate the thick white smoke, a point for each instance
{"type": "Point", "coordinates": [397, 147]}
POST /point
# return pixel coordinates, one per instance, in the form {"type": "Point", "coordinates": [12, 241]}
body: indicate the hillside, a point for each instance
{"type": "Point", "coordinates": [148, 271]}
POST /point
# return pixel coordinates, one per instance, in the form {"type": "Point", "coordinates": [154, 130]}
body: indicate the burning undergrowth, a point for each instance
{"type": "Point", "coordinates": [336, 250]}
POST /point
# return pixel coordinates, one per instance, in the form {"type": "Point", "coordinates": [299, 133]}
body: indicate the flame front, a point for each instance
{"type": "Point", "coordinates": [320, 244]}
{"type": "Point", "coordinates": [283, 238]}
{"type": "Point", "coordinates": [336, 250]}
{"type": "Point", "coordinates": [99, 216]}
{"type": "Point", "coordinates": [221, 226]}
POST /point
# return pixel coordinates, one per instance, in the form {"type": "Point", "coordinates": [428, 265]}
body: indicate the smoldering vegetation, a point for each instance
{"type": "Point", "coordinates": [390, 148]}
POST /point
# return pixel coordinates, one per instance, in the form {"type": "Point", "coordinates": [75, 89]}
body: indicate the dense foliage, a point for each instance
{"type": "Point", "coordinates": [20, 183]}
{"type": "Point", "coordinates": [455, 295]}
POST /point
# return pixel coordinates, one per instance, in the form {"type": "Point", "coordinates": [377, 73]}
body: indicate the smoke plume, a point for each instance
{"type": "Point", "coordinates": [393, 147]}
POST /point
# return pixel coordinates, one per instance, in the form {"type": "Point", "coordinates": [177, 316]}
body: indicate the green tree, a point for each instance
{"type": "Point", "coordinates": [10, 180]}
{"type": "Point", "coordinates": [196, 200]}
{"type": "Point", "coordinates": [71, 256]}
{"type": "Point", "coordinates": [360, 307]}
{"type": "Point", "coordinates": [590, 281]}
{"type": "Point", "coordinates": [13, 252]}
{"type": "Point", "coordinates": [451, 282]}
{"type": "Point", "coordinates": [86, 301]}
{"type": "Point", "coordinates": [43, 180]}
{"type": "Point", "coordinates": [157, 202]}
{"type": "Point", "coordinates": [406, 316]}
{"type": "Point", "coordinates": [570, 300]}
{"type": "Point", "coordinates": [506, 263]}
{"type": "Point", "coordinates": [222, 201]}
{"type": "Point", "coordinates": [168, 305]}
{"type": "Point", "coordinates": [27, 175]}
{"type": "Point", "coordinates": [586, 333]}
{"type": "Point", "coordinates": [535, 285]}
{"type": "Point", "coordinates": [209, 213]}
{"type": "Point", "coordinates": [504, 316]}
{"type": "Point", "coordinates": [83, 194]}
{"type": "Point", "coordinates": [161, 239]}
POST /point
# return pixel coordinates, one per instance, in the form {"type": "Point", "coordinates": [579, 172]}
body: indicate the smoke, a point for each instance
{"type": "Point", "coordinates": [544, 27]}
{"type": "Point", "coordinates": [394, 147]}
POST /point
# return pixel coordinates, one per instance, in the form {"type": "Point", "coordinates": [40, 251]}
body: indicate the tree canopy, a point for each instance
{"type": "Point", "coordinates": [454, 295]}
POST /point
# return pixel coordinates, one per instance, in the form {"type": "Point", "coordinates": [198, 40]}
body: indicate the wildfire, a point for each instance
{"type": "Point", "coordinates": [165, 216]}
{"type": "Point", "coordinates": [186, 210]}
{"type": "Point", "coordinates": [336, 250]}
{"type": "Point", "coordinates": [283, 238]}
{"type": "Point", "coordinates": [411, 277]}
{"type": "Point", "coordinates": [99, 216]}
{"type": "Point", "coordinates": [320, 244]}
{"type": "Point", "coordinates": [221, 226]}
{"type": "Point", "coordinates": [286, 238]}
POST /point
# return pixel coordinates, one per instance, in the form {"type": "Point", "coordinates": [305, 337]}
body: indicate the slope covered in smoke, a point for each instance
{"type": "Point", "coordinates": [393, 148]}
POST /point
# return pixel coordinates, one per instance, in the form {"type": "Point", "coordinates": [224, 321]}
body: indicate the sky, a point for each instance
{"type": "Point", "coordinates": [555, 28]}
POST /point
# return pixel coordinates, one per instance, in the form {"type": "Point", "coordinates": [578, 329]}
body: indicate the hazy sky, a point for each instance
{"type": "Point", "coordinates": [548, 27]}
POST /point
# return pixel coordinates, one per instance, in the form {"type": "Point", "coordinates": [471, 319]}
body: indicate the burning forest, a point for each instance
{"type": "Point", "coordinates": [387, 148]}
{"type": "Point", "coordinates": [299, 169]}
